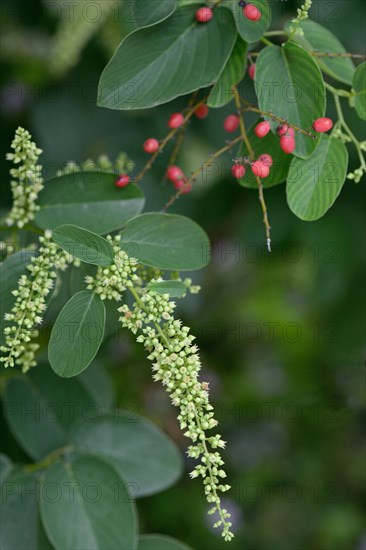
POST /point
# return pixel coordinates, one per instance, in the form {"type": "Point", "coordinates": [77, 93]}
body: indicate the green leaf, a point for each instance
{"type": "Point", "coordinates": [83, 244]}
{"type": "Point", "coordinates": [10, 271]}
{"type": "Point", "coordinates": [77, 334]}
{"type": "Point", "coordinates": [144, 13]}
{"type": "Point", "coordinates": [98, 385]}
{"type": "Point", "coordinates": [314, 184]}
{"type": "Point", "coordinates": [251, 31]}
{"type": "Point", "coordinates": [166, 241]}
{"type": "Point", "coordinates": [20, 523]}
{"type": "Point", "coordinates": [359, 86]}
{"type": "Point", "coordinates": [175, 289]}
{"type": "Point", "coordinates": [157, 64]}
{"type": "Point", "coordinates": [142, 454]}
{"type": "Point", "coordinates": [41, 408]}
{"type": "Point", "coordinates": [90, 200]}
{"type": "Point", "coordinates": [318, 38]}
{"type": "Point", "coordinates": [268, 144]}
{"type": "Point", "coordinates": [289, 83]}
{"type": "Point", "coordinates": [233, 72]}
{"type": "Point", "coordinates": [160, 542]}
{"type": "Point", "coordinates": [85, 504]}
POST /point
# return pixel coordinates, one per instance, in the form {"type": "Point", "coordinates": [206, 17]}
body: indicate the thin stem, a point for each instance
{"type": "Point", "coordinates": [265, 41]}
{"type": "Point", "coordinates": [275, 33]}
{"type": "Point", "coordinates": [193, 176]}
{"type": "Point", "coordinates": [338, 54]}
{"type": "Point", "coordinates": [244, 136]}
{"type": "Point", "coordinates": [52, 457]}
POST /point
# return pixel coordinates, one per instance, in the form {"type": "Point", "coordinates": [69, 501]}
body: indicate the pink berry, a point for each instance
{"type": "Point", "coordinates": [266, 159]}
{"type": "Point", "coordinates": [287, 144]}
{"type": "Point", "coordinates": [322, 124]}
{"type": "Point", "coordinates": [251, 71]}
{"type": "Point", "coordinates": [122, 181]}
{"type": "Point", "coordinates": [260, 169]}
{"type": "Point", "coordinates": [201, 111]}
{"type": "Point", "coordinates": [252, 13]}
{"type": "Point", "coordinates": [174, 174]}
{"type": "Point", "coordinates": [231, 123]}
{"type": "Point", "coordinates": [238, 171]}
{"type": "Point", "coordinates": [176, 120]}
{"type": "Point", "coordinates": [151, 145]}
{"type": "Point", "coordinates": [282, 129]}
{"type": "Point", "coordinates": [262, 129]}
{"type": "Point", "coordinates": [204, 15]}
{"type": "Point", "coordinates": [183, 186]}
{"type": "Point", "coordinates": [290, 132]}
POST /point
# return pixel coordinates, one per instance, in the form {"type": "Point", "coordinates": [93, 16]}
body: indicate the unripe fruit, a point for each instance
{"type": "Point", "coordinates": [204, 15]}
{"type": "Point", "coordinates": [183, 186]}
{"type": "Point", "coordinates": [201, 111]}
{"type": "Point", "coordinates": [231, 123]}
{"type": "Point", "coordinates": [238, 171]}
{"type": "Point", "coordinates": [176, 120]}
{"type": "Point", "coordinates": [122, 181]}
{"type": "Point", "coordinates": [151, 145]}
{"type": "Point", "coordinates": [266, 159]}
{"type": "Point", "coordinates": [260, 169]}
{"type": "Point", "coordinates": [174, 174]}
{"type": "Point", "coordinates": [287, 144]}
{"type": "Point", "coordinates": [251, 71]}
{"type": "Point", "coordinates": [252, 13]}
{"type": "Point", "coordinates": [322, 124]}
{"type": "Point", "coordinates": [262, 129]}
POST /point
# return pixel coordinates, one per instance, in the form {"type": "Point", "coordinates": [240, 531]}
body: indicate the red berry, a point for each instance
{"type": "Point", "coordinates": [282, 129]}
{"type": "Point", "coordinates": [287, 144]}
{"type": "Point", "coordinates": [122, 181]}
{"type": "Point", "coordinates": [266, 159]}
{"type": "Point", "coordinates": [322, 124]}
{"type": "Point", "coordinates": [252, 13]}
{"type": "Point", "coordinates": [174, 173]}
{"type": "Point", "coordinates": [183, 186]}
{"type": "Point", "coordinates": [262, 129]}
{"type": "Point", "coordinates": [238, 171]}
{"type": "Point", "coordinates": [151, 145]}
{"type": "Point", "coordinates": [204, 15]}
{"type": "Point", "coordinates": [201, 111]}
{"type": "Point", "coordinates": [231, 123]}
{"type": "Point", "coordinates": [290, 132]}
{"type": "Point", "coordinates": [260, 169]}
{"type": "Point", "coordinates": [251, 71]}
{"type": "Point", "coordinates": [176, 120]}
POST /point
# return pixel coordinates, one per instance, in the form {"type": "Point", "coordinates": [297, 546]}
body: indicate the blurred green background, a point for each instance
{"type": "Point", "coordinates": [281, 335]}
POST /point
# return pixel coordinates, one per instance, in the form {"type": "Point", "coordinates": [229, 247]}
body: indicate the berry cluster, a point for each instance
{"type": "Point", "coordinates": [260, 167]}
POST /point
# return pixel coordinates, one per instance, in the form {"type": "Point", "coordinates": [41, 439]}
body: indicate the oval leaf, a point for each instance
{"type": "Point", "coordinates": [77, 334]}
{"type": "Point", "coordinates": [160, 542]}
{"type": "Point", "coordinates": [142, 454]}
{"type": "Point", "coordinates": [166, 241]}
{"type": "Point", "coordinates": [268, 144]}
{"type": "Point", "coordinates": [154, 65]}
{"type": "Point", "coordinates": [175, 289]}
{"type": "Point", "coordinates": [314, 184]}
{"type": "Point", "coordinates": [10, 271]}
{"type": "Point", "coordinates": [317, 38]}
{"type": "Point", "coordinates": [41, 408]}
{"type": "Point", "coordinates": [359, 86]}
{"type": "Point", "coordinates": [233, 72]}
{"type": "Point", "coordinates": [20, 522]}
{"type": "Point", "coordinates": [90, 200]}
{"type": "Point", "coordinates": [83, 244]}
{"type": "Point", "coordinates": [251, 31]}
{"type": "Point", "coordinates": [143, 13]}
{"type": "Point", "coordinates": [85, 504]}
{"type": "Point", "coordinates": [289, 83]}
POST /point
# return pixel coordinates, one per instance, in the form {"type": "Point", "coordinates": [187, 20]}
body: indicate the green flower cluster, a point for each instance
{"type": "Point", "coordinates": [176, 364]}
{"type": "Point", "coordinates": [30, 304]}
{"type": "Point", "coordinates": [27, 182]}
